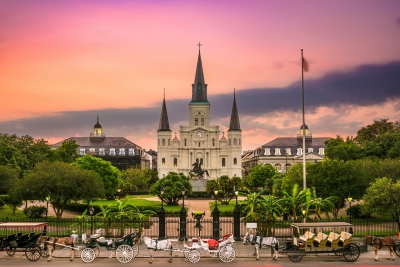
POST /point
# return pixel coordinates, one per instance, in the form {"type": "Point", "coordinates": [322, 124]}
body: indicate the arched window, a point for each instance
{"type": "Point", "coordinates": [163, 161]}
{"type": "Point", "coordinates": [163, 142]}
{"type": "Point", "coordinates": [235, 161]}
{"type": "Point", "coordinates": [199, 144]}
{"type": "Point", "coordinates": [202, 121]}
{"type": "Point", "coordinates": [213, 142]}
{"type": "Point", "coordinates": [288, 165]}
{"type": "Point", "coordinates": [235, 142]}
{"type": "Point", "coordinates": [230, 143]}
{"type": "Point", "coordinates": [169, 142]}
{"type": "Point", "coordinates": [223, 162]}
{"type": "Point", "coordinates": [175, 162]}
{"type": "Point", "coordinates": [158, 142]}
{"type": "Point", "coordinates": [112, 151]}
{"type": "Point", "coordinates": [240, 142]}
{"type": "Point", "coordinates": [196, 122]}
{"type": "Point", "coordinates": [131, 152]}
{"type": "Point", "coordinates": [185, 141]}
{"type": "Point", "coordinates": [278, 166]}
{"type": "Point", "coordinates": [122, 151]}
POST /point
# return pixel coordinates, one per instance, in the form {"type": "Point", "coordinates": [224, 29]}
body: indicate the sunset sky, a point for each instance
{"type": "Point", "coordinates": [62, 63]}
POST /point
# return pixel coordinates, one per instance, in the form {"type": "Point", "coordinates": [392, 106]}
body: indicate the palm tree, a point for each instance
{"type": "Point", "coordinates": [320, 205]}
{"type": "Point", "coordinates": [273, 210]}
{"type": "Point", "coordinates": [253, 207]}
{"type": "Point", "coordinates": [294, 202]}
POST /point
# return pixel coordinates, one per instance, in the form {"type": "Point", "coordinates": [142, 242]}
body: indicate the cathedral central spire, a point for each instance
{"type": "Point", "coordinates": [164, 123]}
{"type": "Point", "coordinates": [199, 87]}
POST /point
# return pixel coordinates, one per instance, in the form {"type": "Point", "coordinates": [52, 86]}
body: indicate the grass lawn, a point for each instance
{"type": "Point", "coordinates": [138, 203]}
{"type": "Point", "coordinates": [6, 211]}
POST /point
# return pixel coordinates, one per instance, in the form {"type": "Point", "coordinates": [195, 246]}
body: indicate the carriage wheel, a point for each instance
{"type": "Point", "coordinates": [295, 254]}
{"type": "Point", "coordinates": [338, 252]}
{"type": "Point", "coordinates": [10, 251]}
{"type": "Point", "coordinates": [88, 255]}
{"type": "Point", "coordinates": [351, 252]}
{"type": "Point", "coordinates": [227, 253]}
{"type": "Point", "coordinates": [44, 252]}
{"type": "Point", "coordinates": [194, 256]}
{"type": "Point", "coordinates": [32, 253]}
{"type": "Point", "coordinates": [397, 249]}
{"type": "Point", "coordinates": [135, 249]}
{"type": "Point", "coordinates": [96, 250]}
{"type": "Point", "coordinates": [124, 253]}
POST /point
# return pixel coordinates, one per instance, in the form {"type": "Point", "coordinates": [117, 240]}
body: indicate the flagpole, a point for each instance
{"type": "Point", "coordinates": [304, 123]}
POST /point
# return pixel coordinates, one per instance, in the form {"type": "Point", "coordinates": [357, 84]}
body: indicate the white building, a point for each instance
{"type": "Point", "coordinates": [219, 155]}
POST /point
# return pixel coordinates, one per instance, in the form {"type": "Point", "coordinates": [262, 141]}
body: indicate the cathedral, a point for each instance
{"type": "Point", "coordinates": [200, 144]}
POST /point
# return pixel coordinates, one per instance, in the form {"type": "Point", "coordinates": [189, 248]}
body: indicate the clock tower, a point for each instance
{"type": "Point", "coordinates": [199, 141]}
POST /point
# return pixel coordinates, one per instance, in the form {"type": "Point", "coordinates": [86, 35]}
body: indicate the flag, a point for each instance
{"type": "Point", "coordinates": [305, 65]}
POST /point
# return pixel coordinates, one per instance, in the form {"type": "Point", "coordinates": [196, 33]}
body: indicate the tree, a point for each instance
{"type": "Point", "coordinates": [272, 210]}
{"type": "Point", "coordinates": [173, 184]}
{"type": "Point", "coordinates": [293, 202]}
{"type": "Point", "coordinates": [343, 150]}
{"type": "Point", "coordinates": [8, 176]}
{"type": "Point", "coordinates": [253, 207]}
{"type": "Point", "coordinates": [110, 175]}
{"type": "Point", "coordinates": [67, 152]}
{"type": "Point", "coordinates": [62, 183]}
{"type": "Point", "coordinates": [135, 178]}
{"type": "Point", "coordinates": [383, 198]}
{"type": "Point", "coordinates": [319, 204]}
{"type": "Point", "coordinates": [226, 188]}
{"type": "Point", "coordinates": [260, 176]}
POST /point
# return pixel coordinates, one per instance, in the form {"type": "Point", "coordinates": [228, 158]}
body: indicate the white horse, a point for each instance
{"type": "Point", "coordinates": [153, 244]}
{"type": "Point", "coordinates": [259, 242]}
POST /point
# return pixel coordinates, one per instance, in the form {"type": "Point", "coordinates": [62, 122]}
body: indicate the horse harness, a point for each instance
{"type": "Point", "coordinates": [374, 239]}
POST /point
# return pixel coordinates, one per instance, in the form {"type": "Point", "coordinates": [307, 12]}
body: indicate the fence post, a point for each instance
{"type": "Point", "coordinates": [236, 223]}
{"type": "Point", "coordinates": [161, 224]}
{"type": "Point", "coordinates": [215, 215]}
{"type": "Point", "coordinates": [182, 224]}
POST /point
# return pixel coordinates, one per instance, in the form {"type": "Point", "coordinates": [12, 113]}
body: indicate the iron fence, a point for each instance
{"type": "Point", "coordinates": [115, 228]}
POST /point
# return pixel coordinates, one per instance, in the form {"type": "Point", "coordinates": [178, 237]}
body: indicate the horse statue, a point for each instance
{"type": "Point", "coordinates": [382, 243]}
{"type": "Point", "coordinates": [259, 242]}
{"type": "Point", "coordinates": [153, 244]}
{"type": "Point", "coordinates": [49, 244]}
{"type": "Point", "coordinates": [197, 170]}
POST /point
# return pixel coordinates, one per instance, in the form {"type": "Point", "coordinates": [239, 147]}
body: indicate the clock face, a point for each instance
{"type": "Point", "coordinates": [199, 134]}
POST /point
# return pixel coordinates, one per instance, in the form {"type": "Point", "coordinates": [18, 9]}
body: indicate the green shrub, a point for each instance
{"type": "Point", "coordinates": [199, 194]}
{"type": "Point", "coordinates": [35, 211]}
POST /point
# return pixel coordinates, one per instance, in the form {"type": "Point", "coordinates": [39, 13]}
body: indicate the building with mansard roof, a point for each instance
{"type": "Point", "coordinates": [200, 140]}
{"type": "Point", "coordinates": [283, 152]}
{"type": "Point", "coordinates": [121, 152]}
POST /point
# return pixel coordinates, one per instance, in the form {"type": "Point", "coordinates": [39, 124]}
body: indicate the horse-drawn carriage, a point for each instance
{"type": "Point", "coordinates": [15, 240]}
{"type": "Point", "coordinates": [322, 237]}
{"type": "Point", "coordinates": [221, 248]}
{"type": "Point", "coordinates": [125, 248]}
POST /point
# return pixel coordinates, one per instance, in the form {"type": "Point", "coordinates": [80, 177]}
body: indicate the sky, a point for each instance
{"type": "Point", "coordinates": [62, 63]}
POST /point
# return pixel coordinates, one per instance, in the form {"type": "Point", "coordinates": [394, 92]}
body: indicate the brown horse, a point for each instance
{"type": "Point", "coordinates": [382, 243]}
{"type": "Point", "coordinates": [49, 244]}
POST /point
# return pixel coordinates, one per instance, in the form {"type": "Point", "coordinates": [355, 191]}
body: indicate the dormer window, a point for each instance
{"type": "Point", "coordinates": [288, 152]}
{"type": "Point", "coordinates": [131, 152]}
{"type": "Point", "coordinates": [299, 151]}
{"type": "Point", "coordinates": [102, 152]}
{"type": "Point", "coordinates": [82, 151]}
{"type": "Point", "coordinates": [267, 152]}
{"type": "Point", "coordinates": [277, 151]}
{"type": "Point", "coordinates": [112, 151]}
{"type": "Point", "coordinates": [122, 151]}
{"type": "Point", "coordinates": [92, 150]}
{"type": "Point", "coordinates": [321, 151]}
{"type": "Point", "coordinates": [310, 149]}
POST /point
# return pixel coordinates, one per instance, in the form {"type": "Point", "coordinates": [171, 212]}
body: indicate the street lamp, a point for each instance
{"type": "Point", "coordinates": [91, 211]}
{"type": "Point", "coordinates": [350, 199]}
{"type": "Point", "coordinates": [182, 233]}
{"type": "Point", "coordinates": [236, 218]}
{"type": "Point", "coordinates": [161, 217]}
{"type": "Point", "coordinates": [215, 215]}
{"type": "Point", "coordinates": [47, 205]}
{"type": "Point", "coordinates": [119, 193]}
{"type": "Point", "coordinates": [304, 214]}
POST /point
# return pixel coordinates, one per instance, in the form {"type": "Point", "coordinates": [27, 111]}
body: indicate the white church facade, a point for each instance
{"type": "Point", "coordinates": [199, 140]}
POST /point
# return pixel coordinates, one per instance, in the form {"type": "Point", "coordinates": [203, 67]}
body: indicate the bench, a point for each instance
{"type": "Point", "coordinates": [345, 238]}
{"type": "Point", "coordinates": [320, 240]}
{"type": "Point", "coordinates": [307, 238]}
{"type": "Point", "coordinates": [333, 240]}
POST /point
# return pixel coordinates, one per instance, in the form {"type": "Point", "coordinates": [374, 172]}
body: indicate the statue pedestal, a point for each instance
{"type": "Point", "coordinates": [198, 185]}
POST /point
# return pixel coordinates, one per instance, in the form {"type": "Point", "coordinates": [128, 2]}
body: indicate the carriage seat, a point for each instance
{"type": "Point", "coordinates": [345, 237]}
{"type": "Point", "coordinates": [307, 236]}
{"type": "Point", "coordinates": [95, 236]}
{"type": "Point", "coordinates": [320, 240]}
{"type": "Point", "coordinates": [103, 241]}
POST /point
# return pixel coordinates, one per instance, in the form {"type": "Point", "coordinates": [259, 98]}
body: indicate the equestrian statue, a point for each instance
{"type": "Point", "coordinates": [198, 171]}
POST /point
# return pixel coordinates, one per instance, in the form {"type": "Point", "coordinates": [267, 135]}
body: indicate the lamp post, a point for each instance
{"type": "Point", "coordinates": [91, 211]}
{"type": "Point", "coordinates": [286, 161]}
{"type": "Point", "coordinates": [236, 218]}
{"type": "Point", "coordinates": [304, 214]}
{"type": "Point", "coordinates": [182, 233]}
{"type": "Point", "coordinates": [119, 193]}
{"type": "Point", "coordinates": [215, 215]}
{"type": "Point", "coordinates": [161, 217]}
{"type": "Point", "coordinates": [350, 199]}
{"type": "Point", "coordinates": [47, 205]}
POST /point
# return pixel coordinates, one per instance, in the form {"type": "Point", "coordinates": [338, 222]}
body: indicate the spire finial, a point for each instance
{"type": "Point", "coordinates": [199, 44]}
{"type": "Point", "coordinates": [164, 93]}
{"type": "Point", "coordinates": [234, 92]}
{"type": "Point", "coordinates": [97, 118]}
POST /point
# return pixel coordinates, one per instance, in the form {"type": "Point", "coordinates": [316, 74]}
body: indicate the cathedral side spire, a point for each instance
{"type": "Point", "coordinates": [199, 87]}
{"type": "Point", "coordinates": [164, 123]}
{"type": "Point", "coordinates": [234, 124]}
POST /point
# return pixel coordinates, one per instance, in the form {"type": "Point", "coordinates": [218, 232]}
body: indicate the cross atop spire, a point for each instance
{"type": "Point", "coordinates": [164, 123]}
{"type": "Point", "coordinates": [234, 124]}
{"type": "Point", "coordinates": [199, 44]}
{"type": "Point", "coordinates": [199, 87]}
